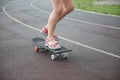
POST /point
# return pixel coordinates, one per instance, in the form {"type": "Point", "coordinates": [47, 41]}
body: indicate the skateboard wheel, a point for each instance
{"type": "Point", "coordinates": [36, 49]}
{"type": "Point", "coordinates": [53, 57]}
{"type": "Point", "coordinates": [65, 55]}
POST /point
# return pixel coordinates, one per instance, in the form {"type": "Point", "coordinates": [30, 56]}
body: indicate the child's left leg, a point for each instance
{"type": "Point", "coordinates": [53, 20]}
{"type": "Point", "coordinates": [60, 9]}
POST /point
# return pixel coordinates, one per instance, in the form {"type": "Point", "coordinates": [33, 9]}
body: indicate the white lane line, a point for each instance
{"type": "Point", "coordinates": [18, 20]}
{"type": "Point", "coordinates": [89, 47]}
{"type": "Point", "coordinates": [74, 42]}
{"type": "Point", "coordinates": [113, 27]}
{"type": "Point", "coordinates": [102, 14]}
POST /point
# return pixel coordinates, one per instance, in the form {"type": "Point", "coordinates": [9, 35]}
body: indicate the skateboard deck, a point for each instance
{"type": "Point", "coordinates": [40, 46]}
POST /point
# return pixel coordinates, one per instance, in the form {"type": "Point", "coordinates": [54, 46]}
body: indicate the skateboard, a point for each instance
{"type": "Point", "coordinates": [61, 53]}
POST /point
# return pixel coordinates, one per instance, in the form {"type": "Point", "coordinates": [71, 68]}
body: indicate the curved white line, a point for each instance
{"type": "Point", "coordinates": [77, 43]}
{"type": "Point", "coordinates": [113, 27]}
{"type": "Point", "coordinates": [102, 14]}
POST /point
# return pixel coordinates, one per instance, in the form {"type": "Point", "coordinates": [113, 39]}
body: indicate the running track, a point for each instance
{"type": "Point", "coordinates": [94, 39]}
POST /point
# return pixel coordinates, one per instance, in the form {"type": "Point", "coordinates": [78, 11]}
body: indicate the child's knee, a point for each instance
{"type": "Point", "coordinates": [72, 8]}
{"type": "Point", "coordinates": [58, 10]}
{"type": "Point", "coordinates": [69, 9]}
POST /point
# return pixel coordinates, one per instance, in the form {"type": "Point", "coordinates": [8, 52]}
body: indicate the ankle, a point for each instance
{"type": "Point", "coordinates": [50, 38]}
{"type": "Point", "coordinates": [46, 26]}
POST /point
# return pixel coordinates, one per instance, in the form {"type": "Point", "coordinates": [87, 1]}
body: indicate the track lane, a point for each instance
{"type": "Point", "coordinates": [81, 63]}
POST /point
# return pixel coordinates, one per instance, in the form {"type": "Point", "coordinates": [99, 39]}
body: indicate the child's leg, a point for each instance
{"type": "Point", "coordinates": [53, 20]}
{"type": "Point", "coordinates": [60, 9]}
{"type": "Point", "coordinates": [54, 17]}
{"type": "Point", "coordinates": [68, 6]}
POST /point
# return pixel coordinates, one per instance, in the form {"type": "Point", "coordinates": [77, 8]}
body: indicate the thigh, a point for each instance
{"type": "Point", "coordinates": [57, 3]}
{"type": "Point", "coordinates": [68, 3]}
